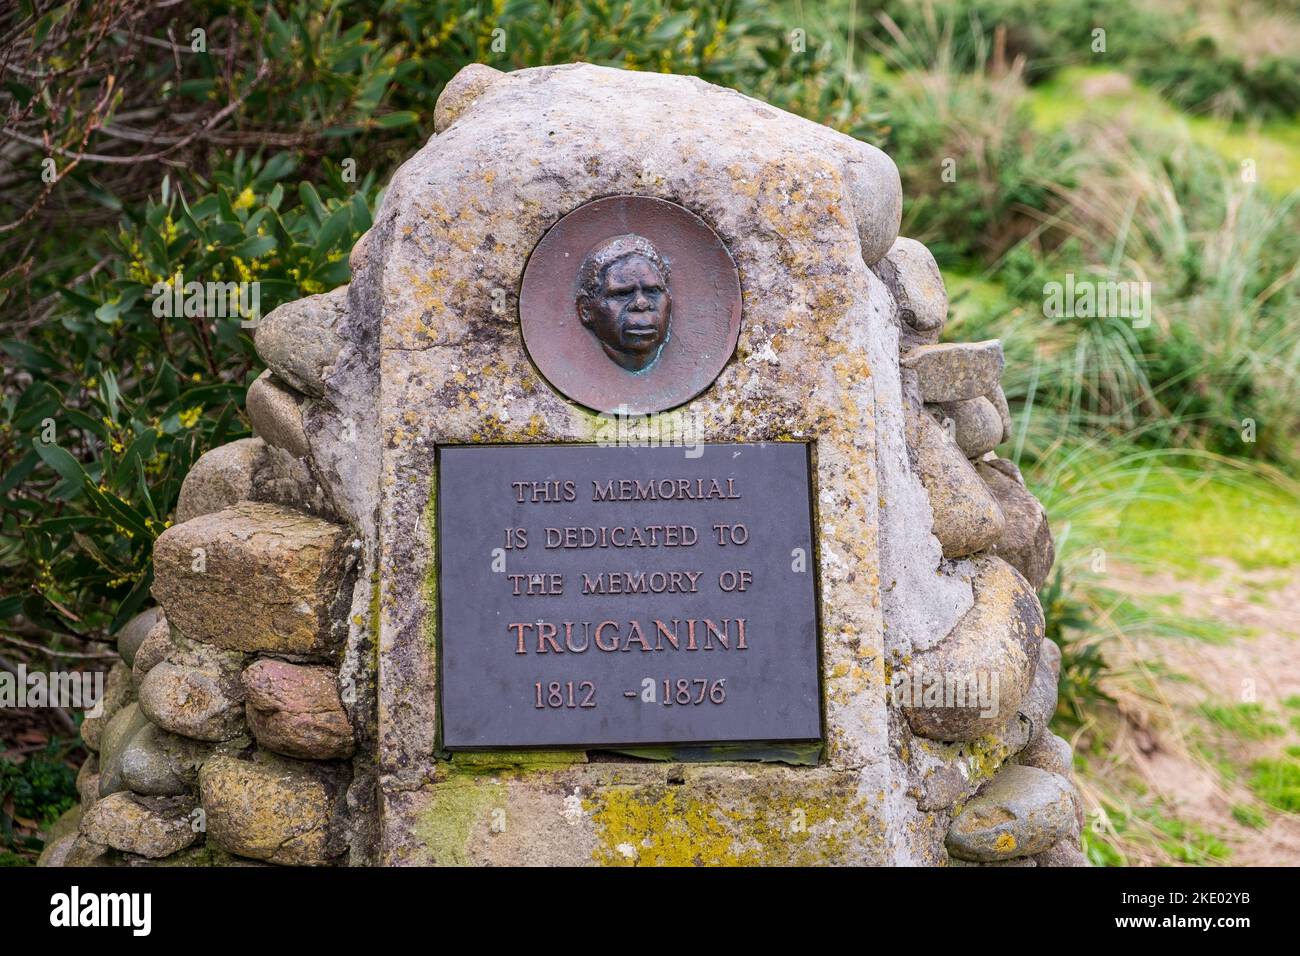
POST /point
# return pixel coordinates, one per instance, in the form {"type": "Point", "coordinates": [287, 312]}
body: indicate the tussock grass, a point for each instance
{"type": "Point", "coordinates": [1165, 442]}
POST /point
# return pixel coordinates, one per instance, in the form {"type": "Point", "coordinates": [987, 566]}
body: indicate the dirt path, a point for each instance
{"type": "Point", "coordinates": [1197, 764]}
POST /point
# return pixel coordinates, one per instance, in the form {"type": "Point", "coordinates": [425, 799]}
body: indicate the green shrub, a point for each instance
{"type": "Point", "coordinates": [1083, 664]}
{"type": "Point", "coordinates": [975, 174]}
{"type": "Point", "coordinates": [1159, 45]}
{"type": "Point", "coordinates": [250, 149]}
{"type": "Point", "coordinates": [34, 791]}
{"type": "Point", "coordinates": [122, 400]}
{"type": "Point", "coordinates": [1200, 78]}
{"type": "Point", "coordinates": [972, 169]}
{"type": "Point", "coordinates": [1216, 365]}
{"type": "Point", "coordinates": [1046, 36]}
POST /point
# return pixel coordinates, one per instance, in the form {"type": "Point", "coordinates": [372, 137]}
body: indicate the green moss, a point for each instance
{"type": "Point", "coordinates": [516, 761]}
{"type": "Point", "coordinates": [985, 755]}
{"type": "Point", "coordinates": [446, 824]}
{"type": "Point", "coordinates": [207, 854]}
{"type": "Point", "coordinates": [667, 831]}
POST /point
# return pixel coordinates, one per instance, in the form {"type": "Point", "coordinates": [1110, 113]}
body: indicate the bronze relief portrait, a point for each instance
{"type": "Point", "coordinates": [630, 304]}
{"type": "Point", "coordinates": [623, 300]}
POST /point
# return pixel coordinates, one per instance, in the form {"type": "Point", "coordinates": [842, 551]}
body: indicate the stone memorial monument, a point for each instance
{"type": "Point", "coordinates": [624, 509]}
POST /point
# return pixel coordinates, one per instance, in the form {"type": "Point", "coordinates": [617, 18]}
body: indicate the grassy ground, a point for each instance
{"type": "Point", "coordinates": [1080, 93]}
{"type": "Point", "coordinates": [1181, 569]}
{"type": "Point", "coordinates": [1191, 754]}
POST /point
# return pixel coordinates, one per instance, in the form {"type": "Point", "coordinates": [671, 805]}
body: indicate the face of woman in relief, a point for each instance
{"type": "Point", "coordinates": [630, 312]}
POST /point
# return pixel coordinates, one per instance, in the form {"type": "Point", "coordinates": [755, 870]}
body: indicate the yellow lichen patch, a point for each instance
{"type": "Point", "coordinates": [679, 827]}
{"type": "Point", "coordinates": [535, 427]}
{"type": "Point", "coordinates": [663, 832]}
{"type": "Point", "coordinates": [987, 754]}
{"type": "Point", "coordinates": [986, 817]}
{"type": "Point", "coordinates": [1005, 843]}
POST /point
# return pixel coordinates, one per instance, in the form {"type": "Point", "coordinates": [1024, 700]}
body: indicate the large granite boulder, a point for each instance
{"type": "Point", "coordinates": [296, 710]}
{"type": "Point", "coordinates": [254, 577]}
{"type": "Point", "coordinates": [1021, 812]}
{"type": "Point", "coordinates": [979, 674]}
{"type": "Point", "coordinates": [195, 691]}
{"type": "Point", "coordinates": [272, 809]}
{"type": "Point", "coordinates": [151, 827]}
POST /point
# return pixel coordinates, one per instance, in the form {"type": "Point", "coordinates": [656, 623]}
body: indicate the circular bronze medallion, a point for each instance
{"type": "Point", "coordinates": [630, 303]}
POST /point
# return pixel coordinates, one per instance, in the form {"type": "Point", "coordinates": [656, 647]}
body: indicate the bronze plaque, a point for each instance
{"type": "Point", "coordinates": [630, 303]}
{"type": "Point", "coordinates": [601, 597]}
